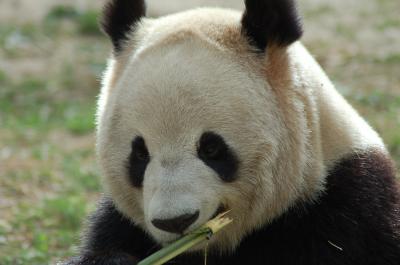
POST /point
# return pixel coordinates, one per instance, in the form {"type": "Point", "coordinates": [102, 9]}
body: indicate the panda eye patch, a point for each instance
{"type": "Point", "coordinates": [139, 149]}
{"type": "Point", "coordinates": [216, 154]}
{"type": "Point", "coordinates": [138, 160]}
{"type": "Point", "coordinates": [211, 147]}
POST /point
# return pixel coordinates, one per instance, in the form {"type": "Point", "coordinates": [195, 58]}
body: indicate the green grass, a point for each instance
{"type": "Point", "coordinates": [32, 104]}
{"type": "Point", "coordinates": [47, 237]}
{"type": "Point", "coordinates": [50, 179]}
{"type": "Point", "coordinates": [88, 23]}
{"type": "Point", "coordinates": [84, 22]}
{"type": "Point", "coordinates": [318, 11]}
{"type": "Point", "coordinates": [393, 58]}
{"type": "Point", "coordinates": [62, 12]}
{"type": "Point", "coordinates": [382, 110]}
{"type": "Point", "coordinates": [388, 24]}
{"type": "Point", "coordinates": [46, 228]}
{"type": "Point", "coordinates": [14, 40]}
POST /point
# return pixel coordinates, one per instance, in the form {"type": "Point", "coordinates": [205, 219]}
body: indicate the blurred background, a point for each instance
{"type": "Point", "coordinates": [51, 59]}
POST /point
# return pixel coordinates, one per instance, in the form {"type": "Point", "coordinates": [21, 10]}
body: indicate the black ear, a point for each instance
{"type": "Point", "coordinates": [119, 16]}
{"type": "Point", "coordinates": [271, 22]}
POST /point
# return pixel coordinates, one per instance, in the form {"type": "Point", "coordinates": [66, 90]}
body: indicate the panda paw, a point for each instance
{"type": "Point", "coordinates": [111, 259]}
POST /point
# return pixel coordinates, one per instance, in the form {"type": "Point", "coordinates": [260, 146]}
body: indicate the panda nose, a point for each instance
{"type": "Point", "coordinates": [177, 224]}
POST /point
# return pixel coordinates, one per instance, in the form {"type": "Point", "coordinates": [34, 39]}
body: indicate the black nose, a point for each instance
{"type": "Point", "coordinates": [177, 224]}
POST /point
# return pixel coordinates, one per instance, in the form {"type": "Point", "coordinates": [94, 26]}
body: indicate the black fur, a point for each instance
{"type": "Point", "coordinates": [355, 222]}
{"type": "Point", "coordinates": [216, 154]}
{"type": "Point", "coordinates": [119, 16]}
{"type": "Point", "coordinates": [111, 238]}
{"type": "Point", "coordinates": [107, 259]}
{"type": "Point", "coordinates": [138, 160]}
{"type": "Point", "coordinates": [271, 22]}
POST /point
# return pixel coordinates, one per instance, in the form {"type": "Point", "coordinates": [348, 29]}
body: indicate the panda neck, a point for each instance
{"type": "Point", "coordinates": [341, 129]}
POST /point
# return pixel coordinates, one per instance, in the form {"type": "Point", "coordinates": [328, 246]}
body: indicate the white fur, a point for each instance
{"type": "Point", "coordinates": [343, 131]}
{"type": "Point", "coordinates": [192, 72]}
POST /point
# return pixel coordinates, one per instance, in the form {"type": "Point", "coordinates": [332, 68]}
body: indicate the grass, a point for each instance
{"type": "Point", "coordinates": [62, 12]}
{"type": "Point", "coordinates": [50, 179]}
{"type": "Point", "coordinates": [45, 238]}
{"type": "Point", "coordinates": [85, 22]}
{"type": "Point", "coordinates": [88, 23]}
{"type": "Point", "coordinates": [49, 79]}
{"type": "Point", "coordinates": [383, 110]}
{"type": "Point", "coordinates": [33, 106]}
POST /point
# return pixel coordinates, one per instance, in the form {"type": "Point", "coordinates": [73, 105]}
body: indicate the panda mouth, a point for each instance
{"type": "Point", "coordinates": [221, 209]}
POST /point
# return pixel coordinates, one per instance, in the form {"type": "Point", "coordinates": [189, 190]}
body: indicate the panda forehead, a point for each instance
{"type": "Point", "coordinates": [187, 85]}
{"type": "Point", "coordinates": [181, 78]}
{"type": "Point", "coordinates": [217, 27]}
{"type": "Point", "coordinates": [173, 54]}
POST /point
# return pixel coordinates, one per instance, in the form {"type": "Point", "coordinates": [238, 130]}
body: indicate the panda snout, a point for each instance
{"type": "Point", "coordinates": [177, 224]}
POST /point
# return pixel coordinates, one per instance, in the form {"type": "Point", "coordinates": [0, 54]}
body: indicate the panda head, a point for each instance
{"type": "Point", "coordinates": [189, 125]}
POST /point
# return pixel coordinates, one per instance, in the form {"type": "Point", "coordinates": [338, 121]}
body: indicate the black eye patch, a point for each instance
{"type": "Point", "coordinates": [138, 160]}
{"type": "Point", "coordinates": [216, 154]}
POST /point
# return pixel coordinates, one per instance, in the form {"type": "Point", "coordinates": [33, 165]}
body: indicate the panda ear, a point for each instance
{"type": "Point", "coordinates": [267, 22]}
{"type": "Point", "coordinates": [119, 17]}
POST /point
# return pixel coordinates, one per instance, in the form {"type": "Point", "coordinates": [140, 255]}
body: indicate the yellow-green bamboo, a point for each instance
{"type": "Point", "coordinates": [193, 238]}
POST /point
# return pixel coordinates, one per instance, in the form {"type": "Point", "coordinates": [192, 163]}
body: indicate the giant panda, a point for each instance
{"type": "Point", "coordinates": [211, 110]}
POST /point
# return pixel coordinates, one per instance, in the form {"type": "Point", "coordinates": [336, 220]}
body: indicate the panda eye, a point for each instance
{"type": "Point", "coordinates": [210, 150]}
{"type": "Point", "coordinates": [217, 155]}
{"type": "Point", "coordinates": [138, 160]}
{"type": "Point", "coordinates": [139, 150]}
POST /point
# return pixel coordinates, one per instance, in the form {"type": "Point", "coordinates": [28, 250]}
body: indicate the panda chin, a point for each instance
{"type": "Point", "coordinates": [169, 241]}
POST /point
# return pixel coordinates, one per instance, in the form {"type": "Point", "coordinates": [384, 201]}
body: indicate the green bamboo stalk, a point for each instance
{"type": "Point", "coordinates": [181, 245]}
